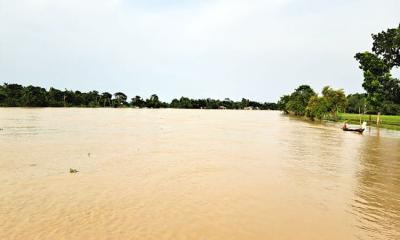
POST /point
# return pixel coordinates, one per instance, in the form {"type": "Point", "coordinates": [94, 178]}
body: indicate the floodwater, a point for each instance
{"type": "Point", "coordinates": [193, 174]}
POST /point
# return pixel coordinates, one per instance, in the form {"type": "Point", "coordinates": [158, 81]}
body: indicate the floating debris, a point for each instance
{"type": "Point", "coordinates": [88, 154]}
{"type": "Point", "coordinates": [71, 170]}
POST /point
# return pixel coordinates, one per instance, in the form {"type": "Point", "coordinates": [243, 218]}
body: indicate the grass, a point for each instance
{"type": "Point", "coordinates": [389, 122]}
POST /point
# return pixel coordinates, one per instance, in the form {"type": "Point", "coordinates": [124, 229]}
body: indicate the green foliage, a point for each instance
{"type": "Point", "coordinates": [356, 102]}
{"type": "Point", "coordinates": [390, 108]}
{"type": "Point", "coordinates": [14, 95]}
{"type": "Point", "coordinates": [137, 101]}
{"type": "Point", "coordinates": [3, 96]}
{"type": "Point", "coordinates": [390, 122]}
{"type": "Point", "coordinates": [304, 102]}
{"type": "Point", "coordinates": [55, 98]}
{"type": "Point", "coordinates": [372, 63]}
{"type": "Point", "coordinates": [34, 97]}
{"type": "Point", "coordinates": [282, 103]}
{"type": "Point", "coordinates": [227, 103]}
{"type": "Point", "coordinates": [383, 91]}
{"type": "Point", "coordinates": [183, 102]}
{"type": "Point", "coordinates": [335, 100]}
{"type": "Point", "coordinates": [317, 107]}
{"type": "Point", "coordinates": [327, 106]}
{"type": "Point", "coordinates": [298, 100]}
{"type": "Point", "coordinates": [153, 102]}
{"type": "Point", "coordinates": [120, 99]}
{"type": "Point", "coordinates": [105, 98]}
{"type": "Point", "coordinates": [387, 45]}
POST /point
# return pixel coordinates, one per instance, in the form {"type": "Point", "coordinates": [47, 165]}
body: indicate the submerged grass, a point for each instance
{"type": "Point", "coordinates": [389, 122]}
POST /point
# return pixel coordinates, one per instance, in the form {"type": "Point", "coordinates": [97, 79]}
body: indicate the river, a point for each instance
{"type": "Point", "coordinates": [193, 174]}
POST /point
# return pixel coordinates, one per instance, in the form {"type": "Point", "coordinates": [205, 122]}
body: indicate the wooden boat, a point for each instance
{"type": "Point", "coordinates": [359, 130]}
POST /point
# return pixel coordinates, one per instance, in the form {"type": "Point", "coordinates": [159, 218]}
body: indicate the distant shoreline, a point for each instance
{"type": "Point", "coordinates": [15, 95]}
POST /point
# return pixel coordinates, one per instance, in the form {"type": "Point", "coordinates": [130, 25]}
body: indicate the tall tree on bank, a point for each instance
{"type": "Point", "coordinates": [383, 91]}
{"type": "Point", "coordinates": [298, 100]}
{"type": "Point", "coordinates": [335, 99]}
{"type": "Point", "coordinates": [328, 105]}
{"type": "Point", "coordinates": [282, 103]}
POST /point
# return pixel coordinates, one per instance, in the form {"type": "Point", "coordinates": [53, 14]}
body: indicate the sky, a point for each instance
{"type": "Point", "coordinates": [255, 49]}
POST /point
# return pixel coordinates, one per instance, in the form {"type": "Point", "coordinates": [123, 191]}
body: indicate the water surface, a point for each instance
{"type": "Point", "coordinates": [193, 174]}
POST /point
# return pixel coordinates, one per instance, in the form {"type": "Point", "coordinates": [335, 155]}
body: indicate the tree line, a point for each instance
{"type": "Point", "coordinates": [305, 102]}
{"type": "Point", "coordinates": [15, 95]}
{"type": "Point", "coordinates": [382, 90]}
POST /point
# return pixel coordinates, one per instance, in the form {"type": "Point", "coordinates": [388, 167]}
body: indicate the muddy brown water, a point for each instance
{"type": "Point", "coordinates": [193, 174]}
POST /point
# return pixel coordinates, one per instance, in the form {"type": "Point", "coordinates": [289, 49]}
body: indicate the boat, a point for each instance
{"type": "Point", "coordinates": [359, 130]}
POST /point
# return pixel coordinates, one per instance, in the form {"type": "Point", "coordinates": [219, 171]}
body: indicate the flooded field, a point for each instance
{"type": "Point", "coordinates": [193, 174]}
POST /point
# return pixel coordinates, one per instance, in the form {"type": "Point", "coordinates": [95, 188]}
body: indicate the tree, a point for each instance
{"type": "Point", "coordinates": [3, 96]}
{"type": "Point", "coordinates": [55, 97]}
{"type": "Point", "coordinates": [282, 103]}
{"type": "Point", "coordinates": [78, 99]}
{"type": "Point", "coordinates": [298, 100]}
{"type": "Point", "coordinates": [387, 45]}
{"type": "Point", "coordinates": [183, 102]}
{"type": "Point", "coordinates": [34, 97]}
{"type": "Point", "coordinates": [330, 103]}
{"type": "Point", "coordinates": [92, 98]}
{"type": "Point", "coordinates": [317, 107]}
{"type": "Point", "coordinates": [269, 106]}
{"type": "Point", "coordinates": [382, 89]}
{"type": "Point", "coordinates": [14, 93]}
{"type": "Point", "coordinates": [153, 102]}
{"type": "Point", "coordinates": [378, 82]}
{"type": "Point", "coordinates": [106, 98]}
{"type": "Point", "coordinates": [137, 101]}
{"type": "Point", "coordinates": [335, 100]}
{"type": "Point", "coordinates": [70, 98]}
{"type": "Point", "coordinates": [356, 102]}
{"type": "Point", "coordinates": [120, 99]}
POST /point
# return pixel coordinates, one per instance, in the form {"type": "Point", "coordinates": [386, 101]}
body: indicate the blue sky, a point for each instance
{"type": "Point", "coordinates": [222, 48]}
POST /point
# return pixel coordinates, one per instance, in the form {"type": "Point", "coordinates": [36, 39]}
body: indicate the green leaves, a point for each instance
{"type": "Point", "coordinates": [381, 87]}
{"type": "Point", "coordinates": [387, 45]}
{"type": "Point", "coordinates": [298, 100]}
{"type": "Point", "coordinates": [305, 102]}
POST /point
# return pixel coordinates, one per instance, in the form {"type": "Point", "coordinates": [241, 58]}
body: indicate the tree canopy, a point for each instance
{"type": "Point", "coordinates": [298, 100]}
{"type": "Point", "coordinates": [383, 90]}
{"type": "Point", "coordinates": [328, 105]}
{"type": "Point", "coordinates": [15, 95]}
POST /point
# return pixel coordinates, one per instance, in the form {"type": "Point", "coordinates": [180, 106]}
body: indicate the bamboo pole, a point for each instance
{"type": "Point", "coordinates": [378, 119]}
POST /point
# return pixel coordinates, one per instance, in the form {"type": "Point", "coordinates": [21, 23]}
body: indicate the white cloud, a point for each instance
{"type": "Point", "coordinates": [256, 49]}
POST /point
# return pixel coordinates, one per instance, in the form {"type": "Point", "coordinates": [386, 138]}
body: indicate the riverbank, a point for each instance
{"type": "Point", "coordinates": [388, 122]}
